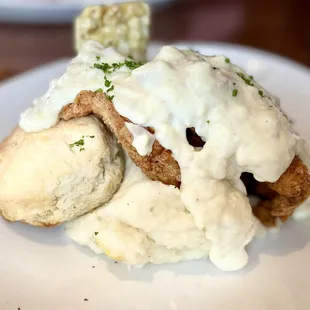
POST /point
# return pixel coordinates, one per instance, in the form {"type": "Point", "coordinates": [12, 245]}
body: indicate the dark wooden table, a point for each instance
{"type": "Point", "coordinates": [279, 26]}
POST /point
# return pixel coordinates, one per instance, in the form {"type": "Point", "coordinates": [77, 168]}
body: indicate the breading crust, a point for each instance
{"type": "Point", "coordinates": [282, 197]}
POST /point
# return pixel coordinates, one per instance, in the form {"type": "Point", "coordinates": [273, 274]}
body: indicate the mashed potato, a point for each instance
{"type": "Point", "coordinates": [144, 222]}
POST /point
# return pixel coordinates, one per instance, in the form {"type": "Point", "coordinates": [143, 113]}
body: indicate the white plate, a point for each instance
{"type": "Point", "coordinates": [43, 269]}
{"type": "Point", "coordinates": [53, 11]}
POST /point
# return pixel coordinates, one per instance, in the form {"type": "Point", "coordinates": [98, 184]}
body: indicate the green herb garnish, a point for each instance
{"type": "Point", "coordinates": [98, 58]}
{"type": "Point", "coordinates": [77, 143]}
{"type": "Point", "coordinates": [107, 83]}
{"type": "Point", "coordinates": [105, 67]}
{"type": "Point", "coordinates": [99, 90]}
{"type": "Point", "coordinates": [235, 92]}
{"type": "Point", "coordinates": [132, 64]}
{"type": "Point", "coordinates": [245, 79]}
{"type": "Point", "coordinates": [111, 88]}
{"type": "Point", "coordinates": [117, 65]}
{"type": "Point", "coordinates": [80, 142]}
{"type": "Point", "coordinates": [96, 233]}
{"type": "Point", "coordinates": [208, 121]}
{"type": "Point", "coordinates": [227, 60]}
{"type": "Point", "coordinates": [108, 69]}
{"type": "Point", "coordinates": [261, 93]}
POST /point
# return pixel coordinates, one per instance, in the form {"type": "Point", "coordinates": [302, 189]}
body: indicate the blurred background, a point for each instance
{"type": "Point", "coordinates": [278, 26]}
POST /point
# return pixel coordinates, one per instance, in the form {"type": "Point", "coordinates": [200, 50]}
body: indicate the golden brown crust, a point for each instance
{"type": "Point", "coordinates": [159, 165]}
{"type": "Point", "coordinates": [38, 224]}
{"type": "Point", "coordinates": [294, 181]}
{"type": "Point", "coordinates": [286, 194]}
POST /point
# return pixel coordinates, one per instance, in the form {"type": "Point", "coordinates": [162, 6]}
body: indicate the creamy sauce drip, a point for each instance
{"type": "Point", "coordinates": [244, 132]}
{"type": "Point", "coordinates": [142, 139]}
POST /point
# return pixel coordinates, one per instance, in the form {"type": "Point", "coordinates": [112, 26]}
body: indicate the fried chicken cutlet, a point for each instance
{"type": "Point", "coordinates": [279, 199]}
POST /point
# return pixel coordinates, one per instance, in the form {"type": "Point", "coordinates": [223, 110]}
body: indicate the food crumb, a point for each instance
{"type": "Point", "coordinates": [85, 299]}
{"type": "Point", "coordinates": [93, 266]}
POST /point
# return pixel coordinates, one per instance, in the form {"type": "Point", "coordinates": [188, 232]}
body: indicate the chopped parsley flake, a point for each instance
{"type": "Point", "coordinates": [98, 58]}
{"type": "Point", "coordinates": [111, 88]}
{"type": "Point", "coordinates": [77, 143]}
{"type": "Point", "coordinates": [245, 79]}
{"type": "Point", "coordinates": [109, 69]}
{"type": "Point", "coordinates": [80, 143]}
{"type": "Point", "coordinates": [99, 90]}
{"type": "Point", "coordinates": [251, 77]}
{"type": "Point", "coordinates": [107, 83]}
{"type": "Point", "coordinates": [227, 60]}
{"type": "Point", "coordinates": [105, 67]}
{"type": "Point", "coordinates": [96, 233]}
{"type": "Point", "coordinates": [208, 121]}
{"type": "Point", "coordinates": [215, 68]}
{"type": "Point", "coordinates": [261, 93]}
{"type": "Point", "coordinates": [132, 64]}
{"type": "Point", "coordinates": [235, 92]}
